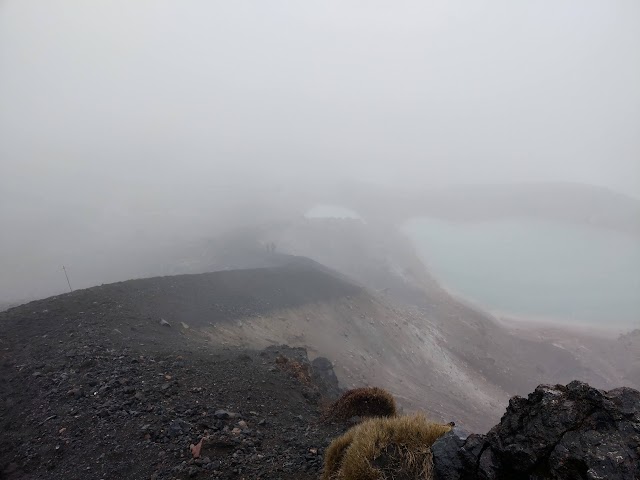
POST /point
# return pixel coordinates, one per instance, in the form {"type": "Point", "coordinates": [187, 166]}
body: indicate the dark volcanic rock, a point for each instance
{"type": "Point", "coordinates": [323, 374]}
{"type": "Point", "coordinates": [81, 417]}
{"type": "Point", "coordinates": [558, 432]}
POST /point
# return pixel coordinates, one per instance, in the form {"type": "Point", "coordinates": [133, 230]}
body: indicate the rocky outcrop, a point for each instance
{"type": "Point", "coordinates": [323, 375]}
{"type": "Point", "coordinates": [558, 432]}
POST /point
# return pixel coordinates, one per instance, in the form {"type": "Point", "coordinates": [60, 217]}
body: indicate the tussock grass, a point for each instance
{"type": "Point", "coordinates": [335, 453]}
{"type": "Point", "coordinates": [363, 402]}
{"type": "Point", "coordinates": [296, 369]}
{"type": "Point", "coordinates": [397, 448]}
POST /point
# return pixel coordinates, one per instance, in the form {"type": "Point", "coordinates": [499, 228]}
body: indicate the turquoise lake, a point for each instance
{"type": "Point", "coordinates": [535, 269]}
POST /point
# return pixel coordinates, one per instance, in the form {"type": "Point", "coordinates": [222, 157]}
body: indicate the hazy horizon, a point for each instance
{"type": "Point", "coordinates": [124, 124]}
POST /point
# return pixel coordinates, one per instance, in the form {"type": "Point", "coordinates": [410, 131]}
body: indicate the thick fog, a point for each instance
{"type": "Point", "coordinates": [129, 126]}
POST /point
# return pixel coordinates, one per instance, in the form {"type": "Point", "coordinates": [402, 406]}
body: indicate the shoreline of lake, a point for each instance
{"type": "Point", "coordinates": [500, 268]}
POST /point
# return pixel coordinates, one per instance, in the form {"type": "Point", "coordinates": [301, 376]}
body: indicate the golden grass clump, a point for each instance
{"type": "Point", "coordinates": [396, 448]}
{"type": "Point", "coordinates": [334, 454]}
{"type": "Point", "coordinates": [363, 402]}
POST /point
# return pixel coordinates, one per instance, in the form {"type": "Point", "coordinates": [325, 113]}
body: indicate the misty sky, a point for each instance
{"type": "Point", "coordinates": [112, 107]}
{"type": "Point", "coordinates": [111, 92]}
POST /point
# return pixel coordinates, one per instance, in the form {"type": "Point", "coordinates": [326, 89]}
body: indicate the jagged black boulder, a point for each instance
{"type": "Point", "coordinates": [558, 432]}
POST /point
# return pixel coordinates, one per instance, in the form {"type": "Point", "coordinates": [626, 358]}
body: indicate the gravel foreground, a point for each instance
{"type": "Point", "coordinates": [98, 384]}
{"type": "Point", "coordinates": [90, 388]}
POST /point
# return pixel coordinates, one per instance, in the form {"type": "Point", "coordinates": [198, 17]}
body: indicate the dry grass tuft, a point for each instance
{"type": "Point", "coordinates": [298, 370]}
{"type": "Point", "coordinates": [397, 448]}
{"type": "Point", "coordinates": [334, 454]}
{"type": "Point", "coordinates": [363, 402]}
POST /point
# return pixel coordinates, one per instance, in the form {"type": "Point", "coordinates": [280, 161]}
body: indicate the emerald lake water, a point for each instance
{"type": "Point", "coordinates": [535, 269]}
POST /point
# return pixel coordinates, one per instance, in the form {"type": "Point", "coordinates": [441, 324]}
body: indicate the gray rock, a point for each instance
{"type": "Point", "coordinates": [177, 428]}
{"type": "Point", "coordinates": [76, 392]}
{"type": "Point", "coordinates": [558, 432]}
{"type": "Point", "coordinates": [222, 414]}
{"type": "Point", "coordinates": [446, 458]}
{"type": "Point", "coordinates": [323, 375]}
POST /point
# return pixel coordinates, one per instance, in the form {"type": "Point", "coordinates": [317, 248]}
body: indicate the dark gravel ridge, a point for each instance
{"type": "Point", "coordinates": [93, 385]}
